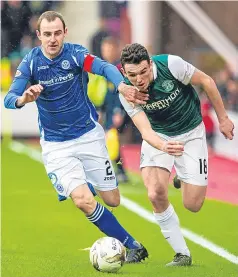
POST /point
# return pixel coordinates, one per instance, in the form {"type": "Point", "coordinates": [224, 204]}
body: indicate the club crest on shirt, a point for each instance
{"type": "Point", "coordinates": [65, 64]}
{"type": "Point", "coordinates": [168, 85]}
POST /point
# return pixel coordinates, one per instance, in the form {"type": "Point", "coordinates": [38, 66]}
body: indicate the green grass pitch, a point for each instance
{"type": "Point", "coordinates": [42, 237]}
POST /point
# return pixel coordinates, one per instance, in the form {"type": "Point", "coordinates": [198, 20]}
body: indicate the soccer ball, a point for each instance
{"type": "Point", "coordinates": [107, 254]}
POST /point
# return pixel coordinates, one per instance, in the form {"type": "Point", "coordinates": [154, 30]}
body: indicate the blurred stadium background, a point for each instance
{"type": "Point", "coordinates": [41, 237]}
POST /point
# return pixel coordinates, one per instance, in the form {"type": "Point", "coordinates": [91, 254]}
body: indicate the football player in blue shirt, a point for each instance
{"type": "Point", "coordinates": [73, 143]}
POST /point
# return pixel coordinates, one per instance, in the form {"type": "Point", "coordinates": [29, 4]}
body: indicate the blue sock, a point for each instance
{"type": "Point", "coordinates": [109, 225]}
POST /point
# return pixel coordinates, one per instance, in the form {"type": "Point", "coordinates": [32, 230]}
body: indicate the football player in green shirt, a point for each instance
{"type": "Point", "coordinates": [173, 134]}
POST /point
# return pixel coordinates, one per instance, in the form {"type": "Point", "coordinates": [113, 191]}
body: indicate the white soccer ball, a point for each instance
{"type": "Point", "coordinates": [107, 254]}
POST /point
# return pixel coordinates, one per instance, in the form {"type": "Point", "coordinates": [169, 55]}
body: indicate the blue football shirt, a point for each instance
{"type": "Point", "coordinates": [65, 111]}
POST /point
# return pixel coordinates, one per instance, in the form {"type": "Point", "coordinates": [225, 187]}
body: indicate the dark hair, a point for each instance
{"type": "Point", "coordinates": [134, 53]}
{"type": "Point", "coordinates": [50, 16]}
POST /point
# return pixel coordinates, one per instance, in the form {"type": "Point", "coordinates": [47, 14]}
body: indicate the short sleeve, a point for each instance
{"type": "Point", "coordinates": [80, 53]}
{"type": "Point", "coordinates": [131, 110]}
{"type": "Point", "coordinates": [24, 69]}
{"type": "Point", "coordinates": [180, 69]}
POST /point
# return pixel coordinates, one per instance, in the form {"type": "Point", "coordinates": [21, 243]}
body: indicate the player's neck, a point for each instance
{"type": "Point", "coordinates": [48, 56]}
{"type": "Point", "coordinates": [152, 77]}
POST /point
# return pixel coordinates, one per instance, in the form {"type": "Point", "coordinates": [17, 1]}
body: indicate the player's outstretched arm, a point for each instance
{"type": "Point", "coordinates": [18, 86]}
{"type": "Point", "coordinates": [226, 126]}
{"type": "Point", "coordinates": [132, 94]}
{"type": "Point", "coordinates": [141, 121]}
{"type": "Point", "coordinates": [97, 66]}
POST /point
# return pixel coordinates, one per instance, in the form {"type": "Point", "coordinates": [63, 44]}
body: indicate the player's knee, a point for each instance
{"type": "Point", "coordinates": [157, 195]}
{"type": "Point", "coordinates": [193, 206]}
{"type": "Point", "coordinates": [85, 203]}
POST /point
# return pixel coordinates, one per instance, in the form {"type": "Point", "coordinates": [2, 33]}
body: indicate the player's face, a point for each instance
{"type": "Point", "coordinates": [140, 75]}
{"type": "Point", "coordinates": [52, 36]}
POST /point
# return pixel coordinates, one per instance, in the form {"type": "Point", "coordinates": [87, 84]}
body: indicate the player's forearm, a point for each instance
{"type": "Point", "coordinates": [10, 101]}
{"type": "Point", "coordinates": [153, 139]}
{"type": "Point", "coordinates": [148, 134]}
{"type": "Point", "coordinates": [112, 74]}
{"type": "Point", "coordinates": [107, 70]}
{"type": "Point", "coordinates": [214, 96]}
{"type": "Point", "coordinates": [15, 91]}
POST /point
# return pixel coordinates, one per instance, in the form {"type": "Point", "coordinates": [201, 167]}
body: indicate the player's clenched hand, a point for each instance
{"type": "Point", "coordinates": [29, 95]}
{"type": "Point", "coordinates": [174, 148]}
{"type": "Point", "coordinates": [132, 94]}
{"type": "Point", "coordinates": [226, 127]}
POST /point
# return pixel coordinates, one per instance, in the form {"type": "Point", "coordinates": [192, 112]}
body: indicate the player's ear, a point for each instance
{"type": "Point", "coordinates": [123, 72]}
{"type": "Point", "coordinates": [66, 31]}
{"type": "Point", "coordinates": [38, 34]}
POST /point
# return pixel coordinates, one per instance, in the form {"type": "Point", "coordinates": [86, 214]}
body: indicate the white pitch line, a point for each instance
{"type": "Point", "coordinates": [85, 249]}
{"type": "Point", "coordinates": [137, 209]}
{"type": "Point", "coordinates": [21, 148]}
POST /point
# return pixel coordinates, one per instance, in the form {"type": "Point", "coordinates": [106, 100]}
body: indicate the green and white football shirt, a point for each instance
{"type": "Point", "coordinates": [173, 107]}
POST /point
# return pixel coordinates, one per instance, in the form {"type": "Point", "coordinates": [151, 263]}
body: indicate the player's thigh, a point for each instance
{"type": "Point", "coordinates": [192, 166]}
{"type": "Point", "coordinates": [156, 181]}
{"type": "Point", "coordinates": [193, 196]}
{"type": "Point", "coordinates": [97, 164]}
{"type": "Point", "coordinates": [152, 157]}
{"type": "Point", "coordinates": [155, 167]}
{"type": "Point", "coordinates": [110, 197]}
{"type": "Point", "coordinates": [65, 171]}
{"type": "Point", "coordinates": [155, 177]}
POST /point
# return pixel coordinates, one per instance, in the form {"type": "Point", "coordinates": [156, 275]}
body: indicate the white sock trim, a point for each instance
{"type": "Point", "coordinates": [165, 215]}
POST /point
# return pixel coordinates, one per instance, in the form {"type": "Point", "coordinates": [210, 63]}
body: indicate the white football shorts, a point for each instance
{"type": "Point", "coordinates": [79, 161]}
{"type": "Point", "coordinates": [192, 166]}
